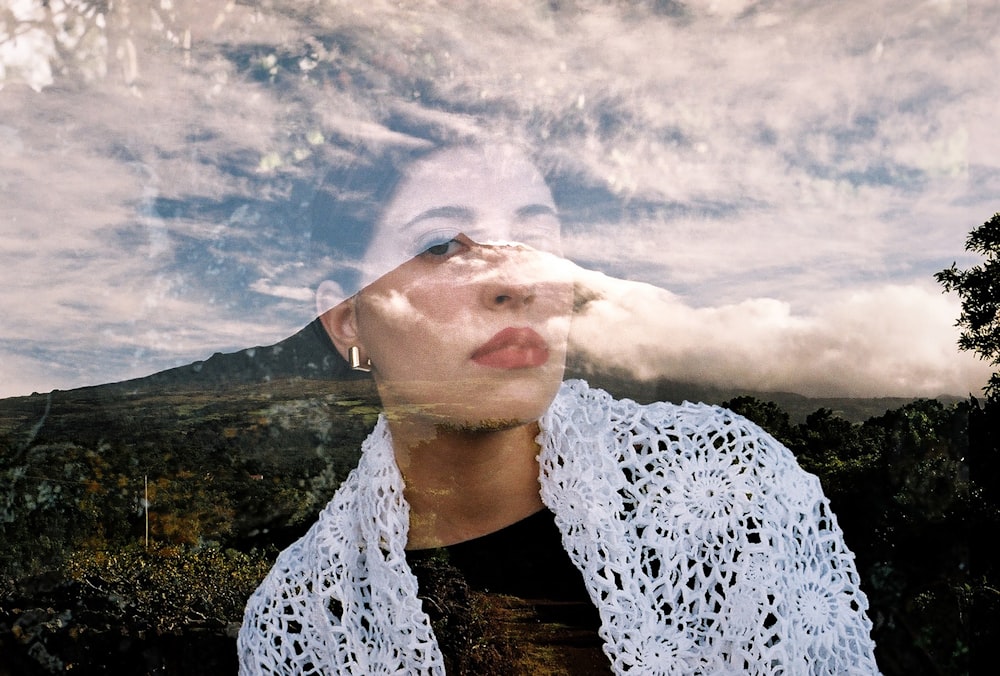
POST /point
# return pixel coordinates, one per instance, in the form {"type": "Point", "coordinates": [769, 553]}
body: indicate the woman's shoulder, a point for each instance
{"type": "Point", "coordinates": [658, 437]}
{"type": "Point", "coordinates": [579, 399]}
{"type": "Point", "coordinates": [675, 443]}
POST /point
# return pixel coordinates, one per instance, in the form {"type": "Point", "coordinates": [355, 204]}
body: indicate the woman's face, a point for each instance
{"type": "Point", "coordinates": [471, 330]}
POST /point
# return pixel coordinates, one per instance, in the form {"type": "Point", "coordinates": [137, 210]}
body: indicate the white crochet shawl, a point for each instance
{"type": "Point", "coordinates": [706, 549]}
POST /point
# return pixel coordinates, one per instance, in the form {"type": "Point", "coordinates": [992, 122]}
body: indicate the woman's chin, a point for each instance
{"type": "Point", "coordinates": [473, 406]}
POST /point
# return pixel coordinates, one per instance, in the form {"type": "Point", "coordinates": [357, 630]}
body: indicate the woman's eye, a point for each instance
{"type": "Point", "coordinates": [444, 249]}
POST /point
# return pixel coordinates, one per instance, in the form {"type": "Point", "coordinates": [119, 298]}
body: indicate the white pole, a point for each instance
{"type": "Point", "coordinates": [145, 504]}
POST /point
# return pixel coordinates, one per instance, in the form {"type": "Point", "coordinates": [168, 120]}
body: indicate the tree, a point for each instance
{"type": "Point", "coordinates": [767, 414]}
{"type": "Point", "coordinates": [979, 289]}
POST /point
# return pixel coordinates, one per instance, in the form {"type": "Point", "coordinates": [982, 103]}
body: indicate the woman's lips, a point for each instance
{"type": "Point", "coordinates": [513, 348]}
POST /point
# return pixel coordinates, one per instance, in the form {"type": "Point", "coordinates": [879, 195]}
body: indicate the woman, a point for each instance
{"type": "Point", "coordinates": [699, 541]}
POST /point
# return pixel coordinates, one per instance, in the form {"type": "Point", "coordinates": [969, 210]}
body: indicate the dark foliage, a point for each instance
{"type": "Point", "coordinates": [913, 490]}
{"type": "Point", "coordinates": [131, 611]}
{"type": "Point", "coordinates": [979, 289]}
{"type": "Point", "coordinates": [496, 635]}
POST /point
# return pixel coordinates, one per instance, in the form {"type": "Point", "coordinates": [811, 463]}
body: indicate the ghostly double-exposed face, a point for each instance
{"type": "Point", "coordinates": [470, 330]}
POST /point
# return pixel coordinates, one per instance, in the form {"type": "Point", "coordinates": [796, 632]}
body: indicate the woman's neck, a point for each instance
{"type": "Point", "coordinates": [462, 484]}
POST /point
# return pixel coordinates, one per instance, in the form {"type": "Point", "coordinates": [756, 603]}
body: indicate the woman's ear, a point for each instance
{"type": "Point", "coordinates": [328, 294]}
{"type": "Point", "coordinates": [340, 320]}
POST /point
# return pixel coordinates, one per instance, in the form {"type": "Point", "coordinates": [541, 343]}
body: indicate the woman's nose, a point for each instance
{"type": "Point", "coordinates": [501, 294]}
{"type": "Point", "coordinates": [510, 283]}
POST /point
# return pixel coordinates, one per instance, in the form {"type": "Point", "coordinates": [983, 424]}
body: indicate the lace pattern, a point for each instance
{"type": "Point", "coordinates": [704, 546]}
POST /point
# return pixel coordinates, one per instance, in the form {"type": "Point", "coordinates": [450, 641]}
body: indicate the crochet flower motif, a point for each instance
{"type": "Point", "coordinates": [817, 608]}
{"type": "Point", "coordinates": [705, 492]}
{"type": "Point", "coordinates": [751, 601]}
{"type": "Point", "coordinates": [710, 494]}
{"type": "Point", "coordinates": [657, 655]}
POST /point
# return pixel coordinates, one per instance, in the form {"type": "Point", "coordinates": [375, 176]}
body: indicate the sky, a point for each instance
{"type": "Point", "coordinates": [776, 182]}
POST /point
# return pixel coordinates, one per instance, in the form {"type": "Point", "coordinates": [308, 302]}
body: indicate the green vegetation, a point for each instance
{"type": "Point", "coordinates": [172, 586]}
{"type": "Point", "coordinates": [90, 580]}
{"type": "Point", "coordinates": [131, 610]}
{"type": "Point", "coordinates": [900, 486]}
{"type": "Point", "coordinates": [979, 289]}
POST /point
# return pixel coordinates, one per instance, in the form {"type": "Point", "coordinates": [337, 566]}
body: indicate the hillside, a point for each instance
{"type": "Point", "coordinates": [138, 516]}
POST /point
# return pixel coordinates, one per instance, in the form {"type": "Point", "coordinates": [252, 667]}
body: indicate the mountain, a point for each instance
{"type": "Point", "coordinates": [309, 355]}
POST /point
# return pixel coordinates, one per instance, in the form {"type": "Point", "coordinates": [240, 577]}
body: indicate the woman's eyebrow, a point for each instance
{"type": "Point", "coordinates": [464, 214]}
{"type": "Point", "coordinates": [535, 210]}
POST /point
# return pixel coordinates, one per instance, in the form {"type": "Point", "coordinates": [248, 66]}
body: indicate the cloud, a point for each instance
{"type": "Point", "coordinates": [791, 167]}
{"type": "Point", "coordinates": [304, 294]}
{"type": "Point", "coordinates": [883, 341]}
{"type": "Point", "coordinates": [25, 52]}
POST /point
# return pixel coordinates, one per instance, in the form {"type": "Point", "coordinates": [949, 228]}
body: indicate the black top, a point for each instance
{"type": "Point", "coordinates": [510, 602]}
{"type": "Point", "coordinates": [525, 560]}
